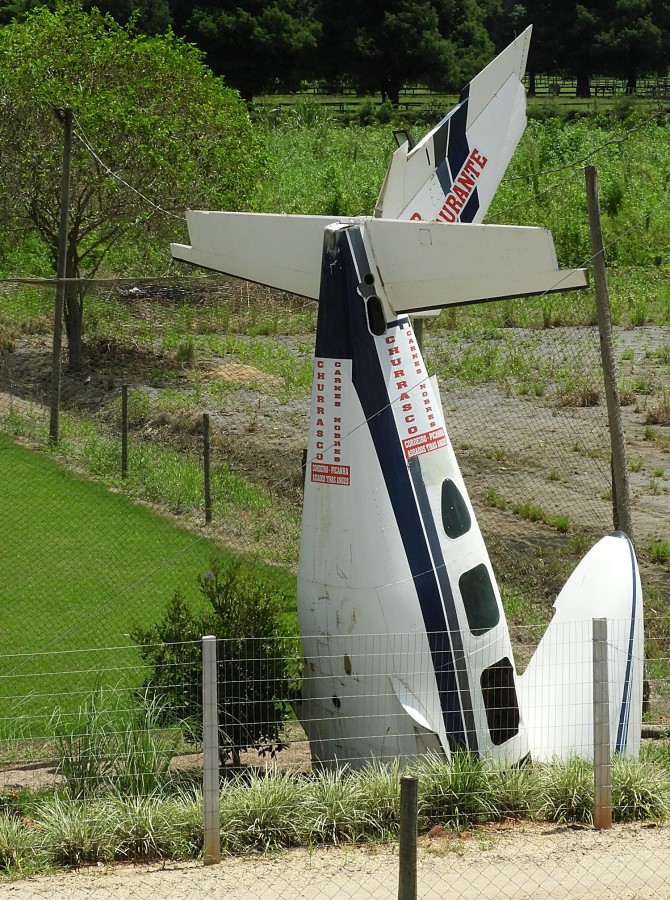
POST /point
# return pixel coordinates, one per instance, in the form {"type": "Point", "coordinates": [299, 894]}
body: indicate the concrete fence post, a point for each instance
{"type": "Point", "coordinates": [210, 747]}
{"type": "Point", "coordinates": [602, 770]}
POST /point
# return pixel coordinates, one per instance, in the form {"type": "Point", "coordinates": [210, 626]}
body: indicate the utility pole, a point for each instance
{"type": "Point", "coordinates": [64, 116]}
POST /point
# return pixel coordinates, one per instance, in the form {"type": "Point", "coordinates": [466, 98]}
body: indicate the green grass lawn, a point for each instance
{"type": "Point", "coordinates": [80, 566]}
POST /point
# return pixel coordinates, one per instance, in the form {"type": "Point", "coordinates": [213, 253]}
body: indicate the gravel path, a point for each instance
{"type": "Point", "coordinates": [520, 862]}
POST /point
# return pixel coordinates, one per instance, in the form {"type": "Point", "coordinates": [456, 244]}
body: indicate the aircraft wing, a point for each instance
{"type": "Point", "coordinates": [426, 265]}
{"type": "Point", "coordinates": [452, 174]}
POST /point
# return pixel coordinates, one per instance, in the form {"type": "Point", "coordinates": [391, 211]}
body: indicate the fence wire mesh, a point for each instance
{"type": "Point", "coordinates": [92, 560]}
{"type": "Point", "coordinates": [101, 788]}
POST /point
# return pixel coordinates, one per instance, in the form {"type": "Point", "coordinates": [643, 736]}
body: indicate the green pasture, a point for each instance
{"type": "Point", "coordinates": [80, 567]}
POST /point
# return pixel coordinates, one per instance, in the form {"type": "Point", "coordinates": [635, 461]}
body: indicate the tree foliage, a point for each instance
{"type": "Point", "coordinates": [255, 45]}
{"type": "Point", "coordinates": [383, 45]}
{"type": "Point", "coordinates": [145, 108]}
{"type": "Point", "coordinates": [257, 668]}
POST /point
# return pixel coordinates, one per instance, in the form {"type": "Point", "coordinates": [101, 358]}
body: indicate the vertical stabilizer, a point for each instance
{"type": "Point", "coordinates": [452, 174]}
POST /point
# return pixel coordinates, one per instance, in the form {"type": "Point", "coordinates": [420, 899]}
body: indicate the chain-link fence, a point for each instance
{"type": "Point", "coordinates": [101, 789]}
{"type": "Point", "coordinates": [91, 560]}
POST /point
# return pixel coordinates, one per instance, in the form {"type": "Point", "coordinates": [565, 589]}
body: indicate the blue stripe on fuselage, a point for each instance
{"type": "Point", "coordinates": [342, 331]}
{"type": "Point", "coordinates": [624, 714]}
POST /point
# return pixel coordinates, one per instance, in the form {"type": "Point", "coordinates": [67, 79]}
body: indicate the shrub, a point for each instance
{"type": "Point", "coordinates": [257, 668]}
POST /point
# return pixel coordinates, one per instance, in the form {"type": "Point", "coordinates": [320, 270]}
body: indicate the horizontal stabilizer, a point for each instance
{"type": "Point", "coordinates": [426, 265]}
{"type": "Point", "coordinates": [452, 174]}
{"type": "Point", "coordinates": [283, 252]}
{"type": "Point", "coordinates": [422, 265]}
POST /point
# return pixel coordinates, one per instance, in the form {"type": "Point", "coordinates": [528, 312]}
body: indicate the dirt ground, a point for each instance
{"type": "Point", "coordinates": [516, 861]}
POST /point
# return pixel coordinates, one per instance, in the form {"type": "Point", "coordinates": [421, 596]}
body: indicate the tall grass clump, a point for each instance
{"type": "Point", "coordinates": [112, 742]}
{"type": "Point", "coordinates": [21, 845]}
{"type": "Point", "coordinates": [265, 812]}
{"type": "Point", "coordinates": [457, 793]}
{"type": "Point", "coordinates": [566, 791]}
{"type": "Point", "coordinates": [640, 789]}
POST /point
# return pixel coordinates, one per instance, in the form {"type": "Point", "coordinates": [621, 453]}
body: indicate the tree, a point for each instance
{"type": "Point", "coordinates": [382, 45]}
{"type": "Point", "coordinates": [631, 42]}
{"type": "Point", "coordinates": [564, 39]}
{"type": "Point", "coordinates": [257, 668]}
{"type": "Point", "coordinates": [145, 109]}
{"type": "Point", "coordinates": [255, 45]}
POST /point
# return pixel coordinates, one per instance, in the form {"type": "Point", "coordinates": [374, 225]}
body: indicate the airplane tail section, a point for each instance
{"type": "Point", "coordinates": [452, 174]}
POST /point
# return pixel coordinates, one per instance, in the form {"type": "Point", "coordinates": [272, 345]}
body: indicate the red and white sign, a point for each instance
{"type": "Point", "coordinates": [332, 383]}
{"type": "Point", "coordinates": [415, 407]}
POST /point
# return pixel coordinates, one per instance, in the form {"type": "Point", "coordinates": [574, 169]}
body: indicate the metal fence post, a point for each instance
{"type": "Point", "coordinates": [407, 881]}
{"type": "Point", "coordinates": [602, 773]}
{"type": "Point", "coordinates": [210, 746]}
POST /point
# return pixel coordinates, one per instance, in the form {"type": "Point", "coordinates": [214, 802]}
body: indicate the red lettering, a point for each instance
{"type": "Point", "coordinates": [415, 217]}
{"type": "Point", "coordinates": [412, 429]}
{"type": "Point", "coordinates": [401, 384]}
{"type": "Point", "coordinates": [390, 340]}
{"type": "Point", "coordinates": [320, 364]}
{"type": "Point", "coordinates": [453, 203]}
{"type": "Point", "coordinates": [480, 160]}
{"type": "Point", "coordinates": [460, 193]}
{"type": "Point", "coordinates": [465, 180]}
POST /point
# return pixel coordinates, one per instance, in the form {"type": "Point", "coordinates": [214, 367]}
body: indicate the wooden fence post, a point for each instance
{"type": "Point", "coordinates": [124, 431]}
{"type": "Point", "coordinates": [407, 881]}
{"type": "Point", "coordinates": [620, 489]}
{"type": "Point", "coordinates": [207, 470]}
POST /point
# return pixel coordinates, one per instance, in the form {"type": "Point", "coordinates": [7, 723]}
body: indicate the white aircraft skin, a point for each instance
{"type": "Point", "coordinates": [405, 640]}
{"type": "Point", "coordinates": [390, 546]}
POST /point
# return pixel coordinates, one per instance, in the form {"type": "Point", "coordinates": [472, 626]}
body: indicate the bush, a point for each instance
{"type": "Point", "coordinates": [257, 667]}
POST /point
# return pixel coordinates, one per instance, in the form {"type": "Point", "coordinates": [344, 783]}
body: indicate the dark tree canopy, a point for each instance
{"type": "Point", "coordinates": [255, 45]}
{"type": "Point", "coordinates": [381, 46]}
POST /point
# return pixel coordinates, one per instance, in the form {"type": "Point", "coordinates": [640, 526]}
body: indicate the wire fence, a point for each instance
{"type": "Point", "coordinates": [94, 779]}
{"type": "Point", "coordinates": [111, 720]}
{"type": "Point", "coordinates": [98, 540]}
